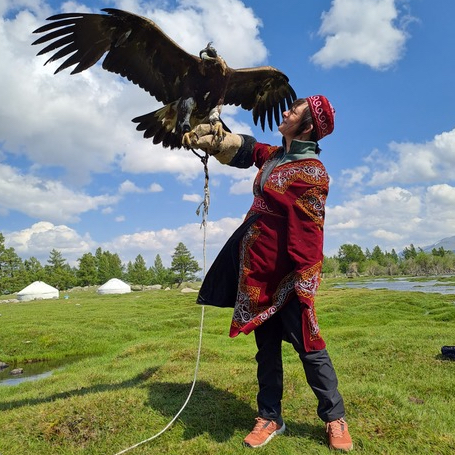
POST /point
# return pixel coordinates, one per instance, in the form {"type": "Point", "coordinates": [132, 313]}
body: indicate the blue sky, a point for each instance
{"type": "Point", "coordinates": [75, 175]}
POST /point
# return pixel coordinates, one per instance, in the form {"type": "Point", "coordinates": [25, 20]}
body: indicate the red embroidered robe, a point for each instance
{"type": "Point", "coordinates": [281, 253]}
{"type": "Point", "coordinates": [277, 253]}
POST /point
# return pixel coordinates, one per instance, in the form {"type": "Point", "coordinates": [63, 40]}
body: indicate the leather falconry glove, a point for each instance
{"type": "Point", "coordinates": [223, 149]}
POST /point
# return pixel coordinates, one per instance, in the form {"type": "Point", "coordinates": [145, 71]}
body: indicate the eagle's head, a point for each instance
{"type": "Point", "coordinates": [209, 53]}
{"type": "Point", "coordinates": [210, 59]}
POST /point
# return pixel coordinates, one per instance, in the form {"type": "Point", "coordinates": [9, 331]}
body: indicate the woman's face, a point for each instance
{"type": "Point", "coordinates": [291, 120]}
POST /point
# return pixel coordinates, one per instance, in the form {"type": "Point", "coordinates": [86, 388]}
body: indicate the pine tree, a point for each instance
{"type": "Point", "coordinates": [12, 270]}
{"type": "Point", "coordinates": [183, 264]}
{"type": "Point", "coordinates": [109, 265]}
{"type": "Point", "coordinates": [34, 270]}
{"type": "Point", "coordinates": [160, 274]}
{"type": "Point", "coordinates": [87, 274]}
{"type": "Point", "coordinates": [138, 273]}
{"type": "Point", "coordinates": [59, 273]}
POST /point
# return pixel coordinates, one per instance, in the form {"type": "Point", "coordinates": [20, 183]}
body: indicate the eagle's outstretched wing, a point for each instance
{"type": "Point", "coordinates": [136, 49]}
{"type": "Point", "coordinates": [264, 90]}
{"type": "Point", "coordinates": [190, 87]}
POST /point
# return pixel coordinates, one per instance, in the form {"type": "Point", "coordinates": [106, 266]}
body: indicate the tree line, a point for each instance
{"type": "Point", "coordinates": [351, 260]}
{"type": "Point", "coordinates": [92, 269]}
{"type": "Point", "coordinates": [96, 269]}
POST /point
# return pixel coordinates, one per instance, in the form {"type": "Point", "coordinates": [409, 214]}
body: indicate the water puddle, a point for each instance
{"type": "Point", "coordinates": [401, 284]}
{"type": "Point", "coordinates": [32, 371]}
{"type": "Point", "coordinates": [14, 380]}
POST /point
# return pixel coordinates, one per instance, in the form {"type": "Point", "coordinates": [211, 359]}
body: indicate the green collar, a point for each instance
{"type": "Point", "coordinates": [300, 150]}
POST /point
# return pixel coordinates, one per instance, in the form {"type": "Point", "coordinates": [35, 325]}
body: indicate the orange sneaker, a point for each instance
{"type": "Point", "coordinates": [263, 432]}
{"type": "Point", "coordinates": [339, 437]}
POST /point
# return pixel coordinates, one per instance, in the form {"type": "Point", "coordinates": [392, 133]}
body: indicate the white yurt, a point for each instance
{"type": "Point", "coordinates": [114, 286]}
{"type": "Point", "coordinates": [38, 290]}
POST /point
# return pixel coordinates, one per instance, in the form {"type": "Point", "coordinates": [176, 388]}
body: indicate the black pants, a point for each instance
{"type": "Point", "coordinates": [319, 371]}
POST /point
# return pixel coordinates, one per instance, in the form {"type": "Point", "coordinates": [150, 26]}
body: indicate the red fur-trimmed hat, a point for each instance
{"type": "Point", "coordinates": [323, 115]}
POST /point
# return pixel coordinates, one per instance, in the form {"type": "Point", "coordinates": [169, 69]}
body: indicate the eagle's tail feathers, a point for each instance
{"type": "Point", "coordinates": [160, 126]}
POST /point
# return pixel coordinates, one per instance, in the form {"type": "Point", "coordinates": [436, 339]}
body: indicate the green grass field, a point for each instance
{"type": "Point", "coordinates": [128, 364]}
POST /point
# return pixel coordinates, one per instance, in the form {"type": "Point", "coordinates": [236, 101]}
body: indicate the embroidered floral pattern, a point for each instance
{"type": "Point", "coordinates": [260, 205]}
{"type": "Point", "coordinates": [323, 114]}
{"type": "Point", "coordinates": [307, 283]}
{"type": "Point", "coordinates": [283, 176]}
{"type": "Point", "coordinates": [315, 174]}
{"type": "Point", "coordinates": [246, 306]}
{"type": "Point", "coordinates": [313, 326]}
{"type": "Point", "coordinates": [251, 314]}
{"type": "Point", "coordinates": [313, 203]}
{"type": "Point", "coordinates": [285, 288]}
{"type": "Point", "coordinates": [306, 286]}
{"type": "Point", "coordinates": [248, 239]}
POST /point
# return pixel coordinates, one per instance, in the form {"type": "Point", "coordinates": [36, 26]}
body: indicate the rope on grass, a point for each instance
{"type": "Point", "coordinates": [205, 209]}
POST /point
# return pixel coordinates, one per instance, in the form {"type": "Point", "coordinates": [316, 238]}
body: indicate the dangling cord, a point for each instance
{"type": "Point", "coordinates": [205, 202]}
{"type": "Point", "coordinates": [205, 210]}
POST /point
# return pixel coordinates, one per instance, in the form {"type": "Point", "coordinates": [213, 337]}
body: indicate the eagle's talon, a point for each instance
{"type": "Point", "coordinates": [190, 139]}
{"type": "Point", "coordinates": [218, 132]}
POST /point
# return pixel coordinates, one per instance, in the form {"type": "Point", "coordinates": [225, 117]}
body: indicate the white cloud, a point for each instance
{"type": "Point", "coordinates": [355, 176]}
{"type": "Point", "coordinates": [243, 186]}
{"type": "Point", "coordinates": [440, 210]}
{"type": "Point", "coordinates": [442, 194]}
{"type": "Point", "coordinates": [409, 162]}
{"type": "Point", "coordinates": [362, 31]}
{"type": "Point", "coordinates": [41, 238]}
{"type": "Point", "coordinates": [375, 210]}
{"type": "Point", "coordinates": [44, 198]}
{"type": "Point", "coordinates": [192, 198]}
{"type": "Point", "coordinates": [393, 215]}
{"type": "Point", "coordinates": [146, 157]}
{"type": "Point", "coordinates": [129, 187]}
{"type": "Point", "coordinates": [164, 241]}
{"type": "Point", "coordinates": [155, 188]}
{"type": "Point", "coordinates": [386, 235]}
{"type": "Point", "coordinates": [229, 24]}
{"type": "Point", "coordinates": [419, 209]}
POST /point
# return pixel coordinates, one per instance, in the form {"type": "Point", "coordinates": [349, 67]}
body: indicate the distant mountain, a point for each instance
{"type": "Point", "coordinates": [448, 244]}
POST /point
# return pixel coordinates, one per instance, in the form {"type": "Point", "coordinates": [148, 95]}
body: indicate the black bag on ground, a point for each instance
{"type": "Point", "coordinates": [448, 351]}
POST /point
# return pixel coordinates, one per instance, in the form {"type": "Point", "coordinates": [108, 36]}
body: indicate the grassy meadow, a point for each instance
{"type": "Point", "coordinates": [127, 365]}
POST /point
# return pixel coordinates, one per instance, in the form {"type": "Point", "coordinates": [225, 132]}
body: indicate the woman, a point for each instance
{"type": "Point", "coordinates": [270, 269]}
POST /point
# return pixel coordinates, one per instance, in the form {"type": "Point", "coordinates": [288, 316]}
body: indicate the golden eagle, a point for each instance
{"type": "Point", "coordinates": [193, 89]}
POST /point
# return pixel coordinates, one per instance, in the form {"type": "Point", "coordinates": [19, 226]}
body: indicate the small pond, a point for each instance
{"type": "Point", "coordinates": [32, 371]}
{"type": "Point", "coordinates": [403, 284]}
